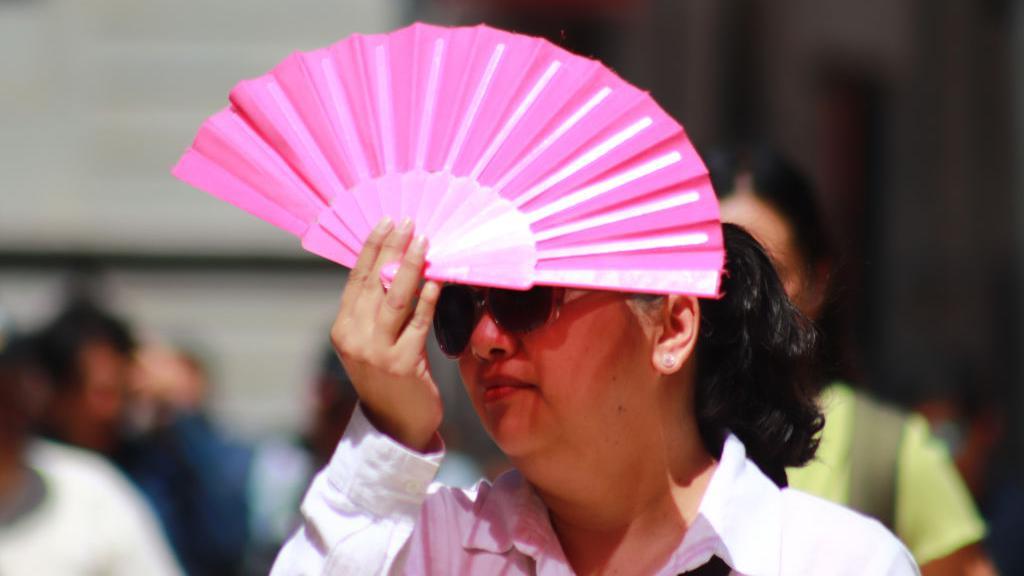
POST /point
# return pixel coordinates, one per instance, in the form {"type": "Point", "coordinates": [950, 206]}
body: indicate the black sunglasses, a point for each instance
{"type": "Point", "coordinates": [517, 311]}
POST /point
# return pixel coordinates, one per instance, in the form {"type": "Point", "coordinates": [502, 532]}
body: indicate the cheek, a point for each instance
{"type": "Point", "coordinates": [593, 374]}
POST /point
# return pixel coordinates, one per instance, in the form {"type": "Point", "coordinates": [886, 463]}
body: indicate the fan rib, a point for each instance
{"type": "Point", "coordinates": [305, 140]}
{"type": "Point", "coordinates": [205, 173]}
{"type": "Point", "coordinates": [594, 101]}
{"type": "Point", "coordinates": [584, 160]}
{"type": "Point", "coordinates": [514, 119]}
{"type": "Point", "coordinates": [474, 106]}
{"type": "Point", "coordinates": [698, 282]}
{"type": "Point", "coordinates": [385, 108]}
{"type": "Point", "coordinates": [359, 83]}
{"type": "Point", "coordinates": [495, 222]}
{"type": "Point", "coordinates": [350, 140]}
{"type": "Point", "coordinates": [594, 190]}
{"type": "Point", "coordinates": [617, 216]}
{"type": "Point", "coordinates": [338, 162]}
{"type": "Point", "coordinates": [332, 225]}
{"type": "Point", "coordinates": [428, 110]}
{"type": "Point", "coordinates": [661, 242]}
{"type": "Point", "coordinates": [281, 168]}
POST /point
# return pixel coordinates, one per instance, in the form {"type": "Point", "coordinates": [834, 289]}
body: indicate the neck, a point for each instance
{"type": "Point", "coordinates": [626, 506]}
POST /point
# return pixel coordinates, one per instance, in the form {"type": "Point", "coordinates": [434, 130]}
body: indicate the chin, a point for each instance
{"type": "Point", "coordinates": [512, 428]}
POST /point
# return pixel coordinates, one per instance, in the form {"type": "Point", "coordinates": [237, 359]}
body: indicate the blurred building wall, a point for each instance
{"type": "Point", "coordinates": [1017, 150]}
{"type": "Point", "coordinates": [98, 99]}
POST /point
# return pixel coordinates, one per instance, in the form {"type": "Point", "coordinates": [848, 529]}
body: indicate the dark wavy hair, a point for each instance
{"type": "Point", "coordinates": [755, 354]}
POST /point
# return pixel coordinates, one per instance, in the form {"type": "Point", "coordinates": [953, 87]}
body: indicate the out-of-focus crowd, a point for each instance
{"type": "Point", "coordinates": [111, 463]}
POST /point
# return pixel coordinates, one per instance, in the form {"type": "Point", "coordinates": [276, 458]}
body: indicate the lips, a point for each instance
{"type": "Point", "coordinates": [498, 387]}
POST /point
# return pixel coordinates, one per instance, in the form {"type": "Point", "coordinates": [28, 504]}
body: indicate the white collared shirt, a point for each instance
{"type": "Point", "coordinates": [373, 510]}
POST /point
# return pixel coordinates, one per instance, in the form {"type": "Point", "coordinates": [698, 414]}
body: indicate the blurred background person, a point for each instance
{"type": "Point", "coordinates": [873, 457]}
{"type": "Point", "coordinates": [143, 409]}
{"type": "Point", "coordinates": [193, 474]}
{"type": "Point", "coordinates": [87, 356]}
{"type": "Point", "coordinates": [64, 511]}
{"type": "Point", "coordinates": [971, 420]}
{"type": "Point", "coordinates": [282, 468]}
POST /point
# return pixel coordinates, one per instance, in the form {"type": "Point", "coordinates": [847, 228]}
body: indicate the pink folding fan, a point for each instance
{"type": "Point", "coordinates": [522, 163]}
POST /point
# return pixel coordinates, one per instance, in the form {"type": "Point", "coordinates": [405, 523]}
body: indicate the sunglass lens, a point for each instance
{"type": "Point", "coordinates": [454, 319]}
{"type": "Point", "coordinates": [521, 311]}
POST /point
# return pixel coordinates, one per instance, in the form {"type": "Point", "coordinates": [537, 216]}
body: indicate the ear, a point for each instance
{"type": "Point", "coordinates": [676, 335]}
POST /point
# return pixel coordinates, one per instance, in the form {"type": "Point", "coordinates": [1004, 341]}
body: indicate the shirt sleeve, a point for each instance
{"type": "Point", "coordinates": [821, 537]}
{"type": "Point", "coordinates": [361, 509]}
{"type": "Point", "coordinates": [935, 513]}
{"type": "Point", "coordinates": [895, 561]}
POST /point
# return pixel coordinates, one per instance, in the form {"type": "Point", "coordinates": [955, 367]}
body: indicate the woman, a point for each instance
{"type": "Point", "coordinates": [649, 434]}
{"type": "Point", "coordinates": [873, 457]}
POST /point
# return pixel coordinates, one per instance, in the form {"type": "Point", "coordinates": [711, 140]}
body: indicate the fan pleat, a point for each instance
{"type": "Point", "coordinates": [578, 153]}
{"type": "Point", "coordinates": [317, 170]}
{"type": "Point", "coordinates": [385, 107]}
{"type": "Point", "coordinates": [208, 175]}
{"type": "Point", "coordinates": [648, 242]}
{"type": "Point", "coordinates": [632, 217]}
{"type": "Point", "coordinates": [455, 88]}
{"type": "Point", "coordinates": [433, 191]}
{"type": "Point", "coordinates": [665, 169]}
{"type": "Point", "coordinates": [329, 239]}
{"type": "Point", "coordinates": [352, 71]}
{"type": "Point", "coordinates": [474, 106]}
{"type": "Point", "coordinates": [518, 70]}
{"type": "Point", "coordinates": [296, 77]}
{"type": "Point", "coordinates": [430, 101]}
{"type": "Point", "coordinates": [340, 117]}
{"type": "Point", "coordinates": [577, 115]}
{"type": "Point", "coordinates": [609, 154]}
{"type": "Point", "coordinates": [699, 279]}
{"type": "Point", "coordinates": [241, 151]}
{"type": "Point", "coordinates": [577, 199]}
{"type": "Point", "coordinates": [506, 130]}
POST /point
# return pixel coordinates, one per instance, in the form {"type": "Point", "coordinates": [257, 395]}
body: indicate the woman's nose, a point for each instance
{"type": "Point", "coordinates": [490, 342]}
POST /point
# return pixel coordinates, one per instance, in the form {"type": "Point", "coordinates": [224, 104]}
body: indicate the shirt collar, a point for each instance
{"type": "Point", "coordinates": [511, 514]}
{"type": "Point", "coordinates": [739, 520]}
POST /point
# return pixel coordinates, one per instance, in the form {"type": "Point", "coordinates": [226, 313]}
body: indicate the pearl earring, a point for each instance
{"type": "Point", "coordinates": [668, 361]}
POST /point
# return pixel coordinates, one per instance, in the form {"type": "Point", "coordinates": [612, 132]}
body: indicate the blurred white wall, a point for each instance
{"type": "Point", "coordinates": [97, 100]}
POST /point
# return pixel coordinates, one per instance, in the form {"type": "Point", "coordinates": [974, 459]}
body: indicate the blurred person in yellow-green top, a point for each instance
{"type": "Point", "coordinates": [873, 457]}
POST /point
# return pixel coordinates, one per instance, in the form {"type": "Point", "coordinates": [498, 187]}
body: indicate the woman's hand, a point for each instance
{"type": "Point", "coordinates": [381, 336]}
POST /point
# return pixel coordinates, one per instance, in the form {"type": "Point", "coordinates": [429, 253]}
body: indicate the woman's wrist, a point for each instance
{"type": "Point", "coordinates": [422, 439]}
